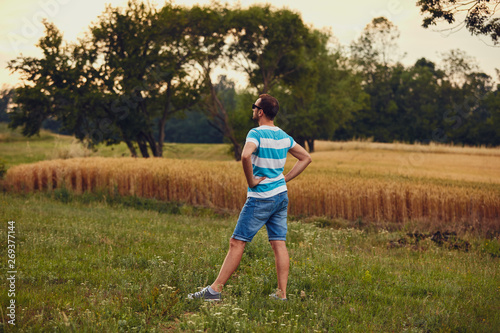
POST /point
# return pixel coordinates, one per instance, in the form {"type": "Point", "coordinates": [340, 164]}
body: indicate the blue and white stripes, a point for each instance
{"type": "Point", "coordinates": [269, 159]}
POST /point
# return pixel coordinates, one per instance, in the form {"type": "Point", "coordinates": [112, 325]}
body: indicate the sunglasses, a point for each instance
{"type": "Point", "coordinates": [256, 106]}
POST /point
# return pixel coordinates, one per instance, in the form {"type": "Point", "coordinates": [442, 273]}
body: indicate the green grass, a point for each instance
{"type": "Point", "coordinates": [17, 149]}
{"type": "Point", "coordinates": [91, 265]}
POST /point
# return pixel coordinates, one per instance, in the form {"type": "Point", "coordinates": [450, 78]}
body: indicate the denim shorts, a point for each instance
{"type": "Point", "coordinates": [257, 212]}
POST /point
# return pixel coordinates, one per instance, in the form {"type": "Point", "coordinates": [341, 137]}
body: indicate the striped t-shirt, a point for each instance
{"type": "Point", "coordinates": [268, 160]}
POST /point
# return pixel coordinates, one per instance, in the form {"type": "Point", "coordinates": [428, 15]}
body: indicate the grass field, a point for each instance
{"type": "Point", "coordinates": [16, 149]}
{"type": "Point", "coordinates": [91, 265]}
{"type": "Point", "coordinates": [95, 262]}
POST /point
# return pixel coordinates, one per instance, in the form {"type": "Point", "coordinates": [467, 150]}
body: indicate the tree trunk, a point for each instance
{"type": "Point", "coordinates": [310, 144]}
{"type": "Point", "coordinates": [152, 144]}
{"type": "Point", "coordinates": [163, 121]}
{"type": "Point", "coordinates": [236, 149]}
{"type": "Point", "coordinates": [147, 137]}
{"type": "Point", "coordinates": [131, 147]}
{"type": "Point", "coordinates": [301, 141]}
{"type": "Point", "coordinates": [218, 111]}
{"type": "Point", "coordinates": [161, 137]}
{"type": "Point", "coordinates": [143, 147]}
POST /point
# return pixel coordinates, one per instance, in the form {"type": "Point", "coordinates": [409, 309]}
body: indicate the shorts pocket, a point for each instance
{"type": "Point", "coordinates": [263, 209]}
{"type": "Point", "coordinates": [284, 204]}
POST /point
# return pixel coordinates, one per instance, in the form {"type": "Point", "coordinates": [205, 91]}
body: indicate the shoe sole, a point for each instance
{"type": "Point", "coordinates": [206, 299]}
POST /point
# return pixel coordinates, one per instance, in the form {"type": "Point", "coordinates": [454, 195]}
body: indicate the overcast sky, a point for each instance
{"type": "Point", "coordinates": [21, 28]}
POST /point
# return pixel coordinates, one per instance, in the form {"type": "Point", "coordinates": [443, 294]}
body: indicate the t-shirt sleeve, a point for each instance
{"type": "Point", "coordinates": [293, 143]}
{"type": "Point", "coordinates": [253, 137]}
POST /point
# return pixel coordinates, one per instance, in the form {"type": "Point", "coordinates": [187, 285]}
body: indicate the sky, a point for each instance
{"type": "Point", "coordinates": [21, 28]}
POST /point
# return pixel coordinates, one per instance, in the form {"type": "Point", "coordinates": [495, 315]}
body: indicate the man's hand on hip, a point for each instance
{"type": "Point", "coordinates": [255, 181]}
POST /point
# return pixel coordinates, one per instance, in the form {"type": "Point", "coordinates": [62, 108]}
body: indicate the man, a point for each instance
{"type": "Point", "coordinates": [263, 159]}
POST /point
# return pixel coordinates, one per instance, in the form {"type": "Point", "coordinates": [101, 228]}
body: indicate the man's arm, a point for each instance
{"type": "Point", "coordinates": [304, 159]}
{"type": "Point", "coordinates": [246, 160]}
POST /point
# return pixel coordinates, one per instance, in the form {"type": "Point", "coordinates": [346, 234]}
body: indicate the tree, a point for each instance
{"type": "Point", "coordinates": [418, 97]}
{"type": "Point", "coordinates": [377, 46]}
{"type": "Point", "coordinates": [457, 65]}
{"type": "Point", "coordinates": [178, 85]}
{"type": "Point", "coordinates": [479, 15]}
{"type": "Point", "coordinates": [491, 132]}
{"type": "Point", "coordinates": [221, 96]}
{"type": "Point", "coordinates": [125, 50]}
{"type": "Point", "coordinates": [241, 115]}
{"type": "Point", "coordinates": [119, 84]}
{"type": "Point", "coordinates": [145, 69]}
{"type": "Point", "coordinates": [209, 27]}
{"type": "Point", "coordinates": [321, 96]}
{"type": "Point", "coordinates": [373, 55]}
{"type": "Point", "coordinates": [288, 59]}
{"type": "Point", "coordinates": [472, 107]}
{"type": "Point", "coordinates": [54, 87]}
{"type": "Point", "coordinates": [268, 45]}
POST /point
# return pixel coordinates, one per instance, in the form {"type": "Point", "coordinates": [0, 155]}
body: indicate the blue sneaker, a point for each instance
{"type": "Point", "coordinates": [205, 294]}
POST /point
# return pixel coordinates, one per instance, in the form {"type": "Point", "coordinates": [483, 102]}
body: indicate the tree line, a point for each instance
{"type": "Point", "coordinates": [141, 68]}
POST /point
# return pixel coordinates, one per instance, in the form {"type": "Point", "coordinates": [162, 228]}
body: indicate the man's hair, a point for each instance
{"type": "Point", "coordinates": [269, 105]}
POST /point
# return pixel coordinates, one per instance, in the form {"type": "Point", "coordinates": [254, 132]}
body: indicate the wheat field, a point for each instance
{"type": "Point", "coordinates": [450, 190]}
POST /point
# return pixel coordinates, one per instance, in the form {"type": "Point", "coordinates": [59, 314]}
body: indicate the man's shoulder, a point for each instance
{"type": "Point", "coordinates": [271, 130]}
{"type": "Point", "coordinates": [273, 133]}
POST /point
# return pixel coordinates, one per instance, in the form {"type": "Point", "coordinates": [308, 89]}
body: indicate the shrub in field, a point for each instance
{"type": "Point", "coordinates": [318, 192]}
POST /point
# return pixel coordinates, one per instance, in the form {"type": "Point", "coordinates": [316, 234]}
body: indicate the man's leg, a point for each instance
{"type": "Point", "coordinates": [282, 261]}
{"type": "Point", "coordinates": [230, 264]}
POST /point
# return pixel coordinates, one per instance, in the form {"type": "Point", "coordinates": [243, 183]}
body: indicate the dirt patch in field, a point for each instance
{"type": "Point", "coordinates": [446, 239]}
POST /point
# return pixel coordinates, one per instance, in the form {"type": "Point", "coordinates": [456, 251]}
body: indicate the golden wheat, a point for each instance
{"type": "Point", "coordinates": [320, 191]}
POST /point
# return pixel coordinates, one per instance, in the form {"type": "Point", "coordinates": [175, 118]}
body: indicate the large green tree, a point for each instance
{"type": "Point", "coordinates": [54, 86]}
{"type": "Point", "coordinates": [268, 44]}
{"type": "Point", "coordinates": [119, 84]}
{"type": "Point", "coordinates": [376, 48]}
{"type": "Point", "coordinates": [125, 49]}
{"type": "Point", "coordinates": [146, 67]}
{"type": "Point", "coordinates": [418, 92]}
{"type": "Point", "coordinates": [283, 56]}
{"type": "Point", "coordinates": [322, 96]}
{"type": "Point", "coordinates": [472, 108]}
{"type": "Point", "coordinates": [373, 57]}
